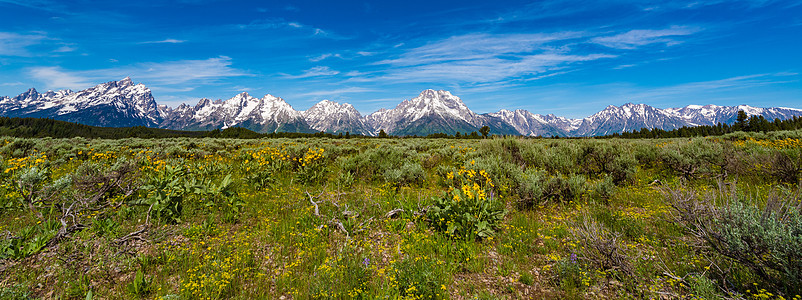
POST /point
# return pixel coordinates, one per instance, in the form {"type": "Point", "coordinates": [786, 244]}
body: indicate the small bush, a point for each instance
{"type": "Point", "coordinates": [766, 240]}
{"type": "Point", "coordinates": [469, 210]}
{"type": "Point", "coordinates": [408, 173]}
{"type": "Point", "coordinates": [599, 247]}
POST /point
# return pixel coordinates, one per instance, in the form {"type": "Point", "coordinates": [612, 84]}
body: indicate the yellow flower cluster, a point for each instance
{"type": "Point", "coordinates": [789, 143]}
{"type": "Point", "coordinates": [311, 156]}
{"type": "Point", "coordinates": [223, 260]}
{"type": "Point", "coordinates": [14, 164]}
{"type": "Point", "coordinates": [266, 155]}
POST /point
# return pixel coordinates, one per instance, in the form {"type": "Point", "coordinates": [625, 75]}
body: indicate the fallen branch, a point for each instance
{"type": "Point", "coordinates": [393, 213]}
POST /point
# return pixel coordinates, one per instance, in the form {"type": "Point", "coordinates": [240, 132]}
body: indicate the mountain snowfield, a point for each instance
{"type": "Point", "coordinates": [123, 104]}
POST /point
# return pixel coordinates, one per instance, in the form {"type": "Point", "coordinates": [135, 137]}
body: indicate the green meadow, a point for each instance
{"type": "Point", "coordinates": [393, 218]}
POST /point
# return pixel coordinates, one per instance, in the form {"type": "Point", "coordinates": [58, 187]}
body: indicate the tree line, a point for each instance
{"type": "Point", "coordinates": [742, 123]}
{"type": "Point", "coordinates": [38, 128]}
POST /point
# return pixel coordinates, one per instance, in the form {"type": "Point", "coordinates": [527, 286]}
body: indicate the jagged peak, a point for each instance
{"type": "Point", "coordinates": [326, 102]}
{"type": "Point", "coordinates": [204, 101]}
{"type": "Point", "coordinates": [124, 82]}
{"type": "Point", "coordinates": [270, 97]}
{"type": "Point", "coordinates": [435, 94]}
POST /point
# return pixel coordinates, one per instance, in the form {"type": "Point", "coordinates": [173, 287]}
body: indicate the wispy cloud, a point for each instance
{"type": "Point", "coordinates": [279, 23]}
{"type": "Point", "coordinates": [478, 58]}
{"type": "Point", "coordinates": [314, 72]}
{"type": "Point", "coordinates": [476, 46]}
{"type": "Point", "coordinates": [46, 5]}
{"type": "Point", "coordinates": [164, 41]}
{"type": "Point", "coordinates": [170, 75]}
{"type": "Point", "coordinates": [183, 71]}
{"type": "Point", "coordinates": [339, 91]}
{"type": "Point", "coordinates": [64, 49]}
{"type": "Point", "coordinates": [56, 78]}
{"type": "Point", "coordinates": [716, 86]}
{"type": "Point", "coordinates": [15, 44]}
{"type": "Point", "coordinates": [619, 67]}
{"type": "Point", "coordinates": [324, 56]}
{"type": "Point", "coordinates": [641, 37]}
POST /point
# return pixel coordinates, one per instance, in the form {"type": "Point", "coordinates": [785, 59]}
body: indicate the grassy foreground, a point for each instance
{"type": "Point", "coordinates": [401, 218]}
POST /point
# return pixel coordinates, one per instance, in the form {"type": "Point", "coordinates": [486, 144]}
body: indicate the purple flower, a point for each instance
{"type": "Point", "coordinates": [573, 258]}
{"type": "Point", "coordinates": [366, 262]}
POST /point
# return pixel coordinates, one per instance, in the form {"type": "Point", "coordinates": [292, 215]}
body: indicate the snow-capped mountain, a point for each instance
{"type": "Point", "coordinates": [268, 114]}
{"type": "Point", "coordinates": [713, 114]}
{"type": "Point", "coordinates": [433, 112]}
{"type": "Point", "coordinates": [430, 112]}
{"type": "Point", "coordinates": [123, 104]}
{"type": "Point", "coordinates": [113, 104]}
{"type": "Point", "coordinates": [628, 117]}
{"type": "Point", "coordinates": [527, 123]}
{"type": "Point", "coordinates": [333, 117]}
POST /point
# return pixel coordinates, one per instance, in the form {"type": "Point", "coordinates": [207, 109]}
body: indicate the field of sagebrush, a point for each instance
{"type": "Point", "coordinates": [401, 218]}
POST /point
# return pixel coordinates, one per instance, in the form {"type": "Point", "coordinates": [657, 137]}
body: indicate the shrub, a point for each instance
{"type": "Point", "coordinates": [786, 166]}
{"type": "Point", "coordinates": [221, 196]}
{"type": "Point", "coordinates": [537, 188]}
{"type": "Point", "coordinates": [408, 173]}
{"type": "Point", "coordinates": [692, 159]}
{"type": "Point", "coordinates": [165, 194]}
{"type": "Point", "coordinates": [766, 240]}
{"type": "Point", "coordinates": [599, 247]}
{"type": "Point", "coordinates": [606, 159]}
{"type": "Point", "coordinates": [469, 210]}
{"type": "Point", "coordinates": [604, 188]}
{"type": "Point", "coordinates": [310, 168]}
{"type": "Point", "coordinates": [531, 186]}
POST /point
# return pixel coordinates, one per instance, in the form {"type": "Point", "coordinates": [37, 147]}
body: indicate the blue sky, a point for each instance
{"type": "Point", "coordinates": [571, 58]}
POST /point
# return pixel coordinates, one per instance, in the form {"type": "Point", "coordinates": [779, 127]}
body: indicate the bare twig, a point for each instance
{"type": "Point", "coordinates": [393, 213]}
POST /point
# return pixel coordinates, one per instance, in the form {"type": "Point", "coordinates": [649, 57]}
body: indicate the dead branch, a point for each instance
{"type": "Point", "coordinates": [393, 213]}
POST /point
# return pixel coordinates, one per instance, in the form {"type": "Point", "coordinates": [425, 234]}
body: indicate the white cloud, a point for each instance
{"type": "Point", "coordinates": [56, 78]}
{"type": "Point", "coordinates": [476, 46]}
{"type": "Point", "coordinates": [177, 75]}
{"type": "Point", "coordinates": [64, 49]}
{"type": "Point", "coordinates": [314, 72]}
{"type": "Point", "coordinates": [325, 56]}
{"type": "Point", "coordinates": [320, 57]}
{"type": "Point", "coordinates": [165, 41]}
{"type": "Point", "coordinates": [186, 71]}
{"type": "Point", "coordinates": [641, 37]}
{"type": "Point", "coordinates": [14, 44]}
{"type": "Point", "coordinates": [479, 58]}
{"type": "Point", "coordinates": [619, 67]}
{"type": "Point", "coordinates": [697, 89]}
{"type": "Point", "coordinates": [334, 92]}
{"type": "Point", "coordinates": [279, 23]}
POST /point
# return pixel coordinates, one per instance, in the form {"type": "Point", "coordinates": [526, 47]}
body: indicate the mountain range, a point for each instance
{"type": "Point", "coordinates": [124, 104]}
